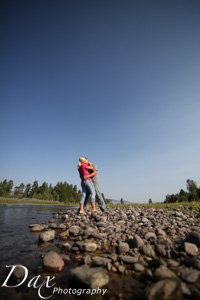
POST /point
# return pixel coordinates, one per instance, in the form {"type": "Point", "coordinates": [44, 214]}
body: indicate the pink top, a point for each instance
{"type": "Point", "coordinates": [83, 171]}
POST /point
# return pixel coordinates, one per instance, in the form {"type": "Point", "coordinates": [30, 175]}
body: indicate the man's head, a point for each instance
{"type": "Point", "coordinates": [86, 160]}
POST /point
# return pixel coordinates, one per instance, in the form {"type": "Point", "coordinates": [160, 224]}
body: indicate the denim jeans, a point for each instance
{"type": "Point", "coordinates": [87, 187]}
{"type": "Point", "coordinates": [99, 198]}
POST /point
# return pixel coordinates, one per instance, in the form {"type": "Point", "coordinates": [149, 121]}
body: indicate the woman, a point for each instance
{"type": "Point", "coordinates": [86, 184]}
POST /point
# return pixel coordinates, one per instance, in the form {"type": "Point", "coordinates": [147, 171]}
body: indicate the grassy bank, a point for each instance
{"type": "Point", "coordinates": [170, 206]}
{"type": "Point", "coordinates": [27, 201]}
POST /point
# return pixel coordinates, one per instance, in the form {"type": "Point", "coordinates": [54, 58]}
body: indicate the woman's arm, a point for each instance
{"type": "Point", "coordinates": [91, 175]}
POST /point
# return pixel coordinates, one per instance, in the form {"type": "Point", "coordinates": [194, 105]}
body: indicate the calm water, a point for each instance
{"type": "Point", "coordinates": [19, 246]}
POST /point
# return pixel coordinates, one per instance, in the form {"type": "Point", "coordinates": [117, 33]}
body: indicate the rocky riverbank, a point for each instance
{"type": "Point", "coordinates": [135, 253]}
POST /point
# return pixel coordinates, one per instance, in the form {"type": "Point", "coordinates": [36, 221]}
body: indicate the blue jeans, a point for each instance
{"type": "Point", "coordinates": [87, 187]}
{"type": "Point", "coordinates": [99, 198]}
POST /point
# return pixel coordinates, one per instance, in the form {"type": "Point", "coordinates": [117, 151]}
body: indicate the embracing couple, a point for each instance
{"type": "Point", "coordinates": [90, 185]}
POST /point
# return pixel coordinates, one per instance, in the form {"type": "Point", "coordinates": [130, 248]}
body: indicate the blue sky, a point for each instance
{"type": "Point", "coordinates": [116, 81]}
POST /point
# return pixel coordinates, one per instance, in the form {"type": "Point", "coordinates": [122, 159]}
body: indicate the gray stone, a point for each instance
{"type": "Point", "coordinates": [148, 251]}
{"type": "Point", "coordinates": [37, 228]}
{"type": "Point", "coordinates": [167, 289]}
{"type": "Point", "coordinates": [149, 235]}
{"type": "Point", "coordinates": [160, 232]}
{"type": "Point", "coordinates": [74, 230]}
{"type": "Point", "coordinates": [191, 249]}
{"type": "Point", "coordinates": [138, 267]}
{"type": "Point", "coordinates": [172, 263]}
{"type": "Point", "coordinates": [91, 277]}
{"type": "Point", "coordinates": [164, 273]}
{"type": "Point", "coordinates": [137, 241]}
{"type": "Point", "coordinates": [123, 248]}
{"type": "Point", "coordinates": [100, 261]}
{"type": "Point", "coordinates": [88, 247]}
{"type": "Point", "coordinates": [190, 275]}
{"type": "Point", "coordinates": [47, 236]}
{"type": "Point", "coordinates": [194, 238]}
{"type": "Point", "coordinates": [62, 226]}
{"type": "Point", "coordinates": [66, 247]}
{"type": "Point", "coordinates": [129, 259]}
{"type": "Point", "coordinates": [160, 250]}
{"type": "Point", "coordinates": [66, 258]}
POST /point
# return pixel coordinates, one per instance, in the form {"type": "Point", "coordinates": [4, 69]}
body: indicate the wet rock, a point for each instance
{"type": "Point", "coordinates": [91, 277]}
{"type": "Point", "coordinates": [66, 259]}
{"type": "Point", "coordinates": [66, 247]}
{"type": "Point", "coordinates": [53, 262]}
{"type": "Point", "coordinates": [191, 249]}
{"type": "Point", "coordinates": [62, 227]}
{"type": "Point", "coordinates": [19, 273]}
{"type": "Point", "coordinates": [64, 234]}
{"type": "Point", "coordinates": [47, 236]}
{"type": "Point", "coordinates": [167, 289]}
{"type": "Point", "coordinates": [37, 228]}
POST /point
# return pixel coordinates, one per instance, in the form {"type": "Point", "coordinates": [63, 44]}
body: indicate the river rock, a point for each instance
{"type": "Point", "coordinates": [164, 273]}
{"type": "Point", "coordinates": [123, 247]}
{"type": "Point", "coordinates": [138, 267]}
{"type": "Point", "coordinates": [194, 238]}
{"type": "Point", "coordinates": [160, 250]}
{"type": "Point", "coordinates": [91, 277]}
{"type": "Point", "coordinates": [137, 241]}
{"type": "Point", "coordinates": [190, 275]}
{"type": "Point", "coordinates": [129, 259]}
{"type": "Point", "coordinates": [74, 230]}
{"type": "Point", "coordinates": [89, 247]}
{"type": "Point", "coordinates": [191, 249]}
{"type": "Point", "coordinates": [167, 289]}
{"type": "Point", "coordinates": [47, 236]}
{"type": "Point", "coordinates": [37, 228]}
{"type": "Point", "coordinates": [148, 251]}
{"type": "Point", "coordinates": [149, 235]}
{"type": "Point", "coordinates": [53, 262]}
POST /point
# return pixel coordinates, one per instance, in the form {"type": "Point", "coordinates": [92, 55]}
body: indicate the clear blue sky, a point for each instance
{"type": "Point", "coordinates": [116, 81]}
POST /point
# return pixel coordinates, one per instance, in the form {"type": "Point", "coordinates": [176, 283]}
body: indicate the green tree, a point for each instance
{"type": "Point", "coordinates": [122, 201]}
{"type": "Point", "coordinates": [192, 188]}
{"type": "Point", "coordinates": [150, 201]}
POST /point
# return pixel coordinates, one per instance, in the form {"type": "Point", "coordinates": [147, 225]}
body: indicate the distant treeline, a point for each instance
{"type": "Point", "coordinates": [192, 194]}
{"type": "Point", "coordinates": [62, 192]}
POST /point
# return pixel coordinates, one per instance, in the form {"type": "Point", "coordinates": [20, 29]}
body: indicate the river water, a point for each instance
{"type": "Point", "coordinates": [19, 246]}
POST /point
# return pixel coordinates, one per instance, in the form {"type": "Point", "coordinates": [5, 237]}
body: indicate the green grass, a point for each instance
{"type": "Point", "coordinates": [171, 206]}
{"type": "Point", "coordinates": [28, 201]}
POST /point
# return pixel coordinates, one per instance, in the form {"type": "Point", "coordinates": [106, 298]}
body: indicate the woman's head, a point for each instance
{"type": "Point", "coordinates": [82, 160]}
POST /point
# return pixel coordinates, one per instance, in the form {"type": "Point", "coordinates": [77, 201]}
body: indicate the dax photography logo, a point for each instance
{"type": "Point", "coordinates": [48, 283]}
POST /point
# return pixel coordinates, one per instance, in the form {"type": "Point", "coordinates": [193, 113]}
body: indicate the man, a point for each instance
{"type": "Point", "coordinates": [94, 176]}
